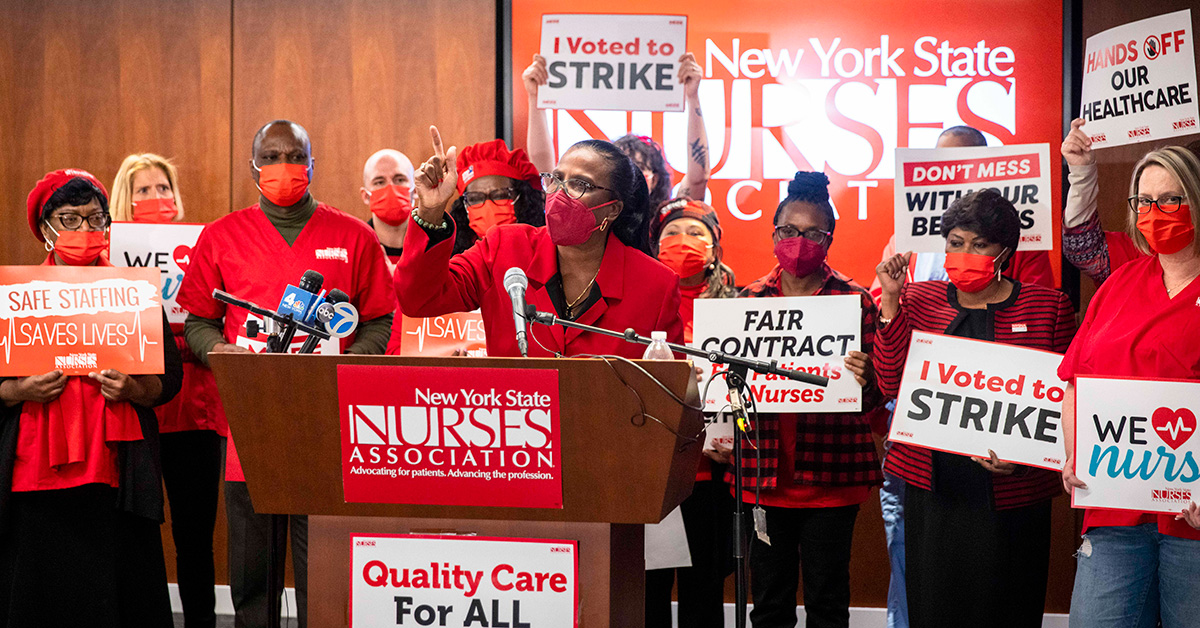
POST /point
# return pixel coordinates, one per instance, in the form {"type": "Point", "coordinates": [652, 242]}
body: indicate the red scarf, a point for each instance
{"type": "Point", "coordinates": [62, 425]}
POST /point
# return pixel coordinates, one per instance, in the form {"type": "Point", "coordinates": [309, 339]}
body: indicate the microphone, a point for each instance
{"type": "Point", "coordinates": [322, 314]}
{"type": "Point", "coordinates": [296, 303]}
{"type": "Point", "coordinates": [515, 284]}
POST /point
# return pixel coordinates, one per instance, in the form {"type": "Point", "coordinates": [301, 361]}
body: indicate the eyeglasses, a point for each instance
{"type": "Point", "coordinates": [501, 196]}
{"type": "Point", "coordinates": [574, 188]}
{"type": "Point", "coordinates": [784, 232]}
{"type": "Point", "coordinates": [1166, 204]}
{"type": "Point", "coordinates": [74, 221]}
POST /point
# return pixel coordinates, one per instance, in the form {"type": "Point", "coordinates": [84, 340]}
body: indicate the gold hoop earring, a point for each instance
{"type": "Point", "coordinates": [604, 223]}
{"type": "Point", "coordinates": [49, 247]}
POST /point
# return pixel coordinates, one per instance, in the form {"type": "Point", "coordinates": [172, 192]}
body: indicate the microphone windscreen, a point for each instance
{"type": "Point", "coordinates": [337, 296]}
{"type": "Point", "coordinates": [312, 281]}
{"type": "Point", "coordinates": [515, 277]}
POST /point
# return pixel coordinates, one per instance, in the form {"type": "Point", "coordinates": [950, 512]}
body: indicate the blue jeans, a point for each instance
{"type": "Point", "coordinates": [1130, 576]}
{"type": "Point", "coordinates": [891, 501]}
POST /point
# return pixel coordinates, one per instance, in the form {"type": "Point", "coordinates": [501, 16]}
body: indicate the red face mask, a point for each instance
{"type": "Point", "coordinates": [799, 256]}
{"type": "Point", "coordinates": [283, 184]}
{"type": "Point", "coordinates": [155, 210]}
{"type": "Point", "coordinates": [970, 272]}
{"type": "Point", "coordinates": [81, 248]}
{"type": "Point", "coordinates": [569, 221]}
{"type": "Point", "coordinates": [392, 204]}
{"type": "Point", "coordinates": [490, 214]}
{"type": "Point", "coordinates": [686, 255]}
{"type": "Point", "coordinates": [1167, 233]}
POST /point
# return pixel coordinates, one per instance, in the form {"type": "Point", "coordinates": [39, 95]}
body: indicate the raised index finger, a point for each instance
{"type": "Point", "coordinates": [437, 142]}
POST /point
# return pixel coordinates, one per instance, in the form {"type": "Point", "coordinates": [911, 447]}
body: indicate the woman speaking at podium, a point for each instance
{"type": "Point", "coordinates": [589, 264]}
{"type": "Point", "coordinates": [80, 483]}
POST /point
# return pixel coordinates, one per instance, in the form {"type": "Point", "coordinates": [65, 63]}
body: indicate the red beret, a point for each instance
{"type": "Point", "coordinates": [494, 158]}
{"type": "Point", "coordinates": [47, 187]}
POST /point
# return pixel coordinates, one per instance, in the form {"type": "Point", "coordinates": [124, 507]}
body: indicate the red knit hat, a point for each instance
{"type": "Point", "coordinates": [47, 187]}
{"type": "Point", "coordinates": [494, 158]}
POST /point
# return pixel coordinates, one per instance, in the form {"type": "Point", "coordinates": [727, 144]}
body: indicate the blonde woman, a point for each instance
{"type": "Point", "coordinates": [1137, 569]}
{"type": "Point", "coordinates": [147, 190]}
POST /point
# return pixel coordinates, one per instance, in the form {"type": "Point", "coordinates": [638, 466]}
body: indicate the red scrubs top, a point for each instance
{"type": "Point", "coordinates": [1133, 330]}
{"type": "Point", "coordinates": [244, 254]}
{"type": "Point", "coordinates": [636, 290]}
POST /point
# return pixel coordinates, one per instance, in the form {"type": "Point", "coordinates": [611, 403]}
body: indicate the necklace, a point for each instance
{"type": "Point", "coordinates": [1181, 285]}
{"type": "Point", "coordinates": [583, 295]}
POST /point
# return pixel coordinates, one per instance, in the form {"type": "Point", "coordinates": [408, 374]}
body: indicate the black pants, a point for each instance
{"type": "Point", "coordinates": [70, 558]}
{"type": "Point", "coordinates": [968, 564]}
{"type": "Point", "coordinates": [706, 520]}
{"type": "Point", "coordinates": [816, 541]}
{"type": "Point", "coordinates": [249, 557]}
{"type": "Point", "coordinates": [191, 464]}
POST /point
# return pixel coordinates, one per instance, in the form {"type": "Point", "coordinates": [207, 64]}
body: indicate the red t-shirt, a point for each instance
{"type": "Point", "coordinates": [1132, 329]}
{"type": "Point", "coordinates": [244, 254]}
{"type": "Point", "coordinates": [787, 493]}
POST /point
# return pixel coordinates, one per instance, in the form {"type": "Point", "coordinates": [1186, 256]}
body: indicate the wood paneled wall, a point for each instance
{"type": "Point", "coordinates": [83, 83]}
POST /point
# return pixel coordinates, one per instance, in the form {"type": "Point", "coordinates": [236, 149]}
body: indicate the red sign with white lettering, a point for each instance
{"type": "Point", "coordinates": [450, 436]}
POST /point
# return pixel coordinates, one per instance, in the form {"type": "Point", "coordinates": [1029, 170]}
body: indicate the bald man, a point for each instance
{"type": "Point", "coordinates": [387, 190]}
{"type": "Point", "coordinates": [255, 253]}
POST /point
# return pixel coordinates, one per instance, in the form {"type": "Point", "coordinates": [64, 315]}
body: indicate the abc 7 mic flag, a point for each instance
{"type": "Point", "coordinates": [343, 321]}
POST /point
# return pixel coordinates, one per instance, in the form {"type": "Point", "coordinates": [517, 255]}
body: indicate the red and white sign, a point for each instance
{"type": "Point", "coordinates": [828, 86]}
{"type": "Point", "coordinates": [811, 334]}
{"type": "Point", "coordinates": [443, 335]}
{"type": "Point", "coordinates": [1139, 81]}
{"type": "Point", "coordinates": [450, 436]}
{"type": "Point", "coordinates": [165, 246]}
{"type": "Point", "coordinates": [1135, 444]}
{"type": "Point", "coordinates": [618, 62]}
{"type": "Point", "coordinates": [930, 180]}
{"type": "Point", "coordinates": [421, 580]}
{"type": "Point", "coordinates": [79, 319]}
{"type": "Point", "coordinates": [968, 396]}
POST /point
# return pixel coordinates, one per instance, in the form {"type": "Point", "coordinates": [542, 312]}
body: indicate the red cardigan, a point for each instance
{"type": "Point", "coordinates": [636, 290]}
{"type": "Point", "coordinates": [1048, 321]}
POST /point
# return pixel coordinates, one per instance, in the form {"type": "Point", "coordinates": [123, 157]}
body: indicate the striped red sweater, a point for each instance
{"type": "Point", "coordinates": [1048, 323]}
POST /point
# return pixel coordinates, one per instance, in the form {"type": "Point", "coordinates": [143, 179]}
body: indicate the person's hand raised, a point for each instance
{"type": "Point", "coordinates": [535, 75]}
{"type": "Point", "coordinates": [1077, 146]}
{"type": "Point", "coordinates": [436, 180]}
{"type": "Point", "coordinates": [689, 74]}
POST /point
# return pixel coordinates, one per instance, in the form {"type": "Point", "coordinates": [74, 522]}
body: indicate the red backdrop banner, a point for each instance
{"type": "Point", "coordinates": [835, 88]}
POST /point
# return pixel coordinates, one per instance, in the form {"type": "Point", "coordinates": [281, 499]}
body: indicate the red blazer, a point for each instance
{"type": "Point", "coordinates": [636, 290]}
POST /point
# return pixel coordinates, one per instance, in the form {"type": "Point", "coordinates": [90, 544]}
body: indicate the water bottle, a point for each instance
{"type": "Point", "coordinates": [658, 349]}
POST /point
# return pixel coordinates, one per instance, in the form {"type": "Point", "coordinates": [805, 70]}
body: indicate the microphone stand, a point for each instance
{"type": "Point", "coordinates": [738, 389]}
{"type": "Point", "coordinates": [290, 325]}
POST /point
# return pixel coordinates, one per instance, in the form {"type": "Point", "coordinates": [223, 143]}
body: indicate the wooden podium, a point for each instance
{"type": "Point", "coordinates": [619, 469]}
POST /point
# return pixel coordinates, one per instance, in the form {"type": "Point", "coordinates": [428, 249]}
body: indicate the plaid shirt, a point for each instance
{"type": "Point", "coordinates": [832, 448]}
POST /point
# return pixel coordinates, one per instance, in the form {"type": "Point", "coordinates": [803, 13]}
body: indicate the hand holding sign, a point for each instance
{"type": "Point", "coordinates": [535, 76]}
{"type": "Point", "coordinates": [995, 464]}
{"type": "Point", "coordinates": [1069, 479]}
{"type": "Point", "coordinates": [1077, 146]}
{"type": "Point", "coordinates": [117, 386]}
{"type": "Point", "coordinates": [42, 388]}
{"type": "Point", "coordinates": [690, 75]}
{"type": "Point", "coordinates": [859, 363]}
{"type": "Point", "coordinates": [1191, 515]}
{"type": "Point", "coordinates": [436, 180]}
